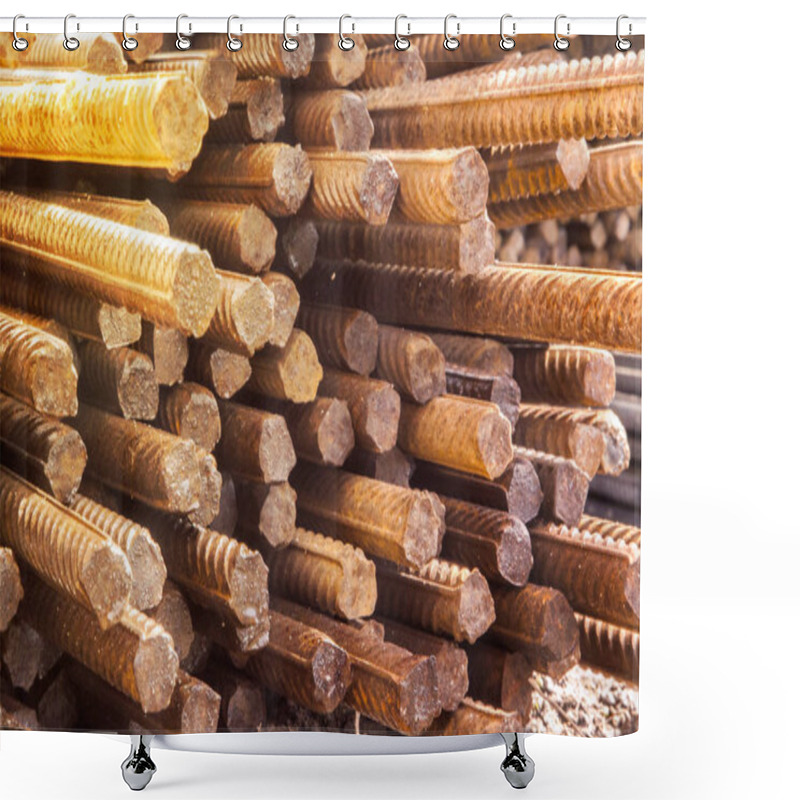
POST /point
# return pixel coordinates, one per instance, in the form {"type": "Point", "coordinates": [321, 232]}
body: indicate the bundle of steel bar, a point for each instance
{"type": "Point", "coordinates": [287, 428]}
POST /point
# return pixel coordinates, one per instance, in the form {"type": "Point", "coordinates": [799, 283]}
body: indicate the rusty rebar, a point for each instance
{"type": "Point", "coordinates": [219, 369]}
{"type": "Point", "coordinates": [538, 428]}
{"type": "Point", "coordinates": [411, 362]}
{"type": "Point", "coordinates": [302, 664]}
{"type": "Point", "coordinates": [148, 571]}
{"type": "Point", "coordinates": [354, 187]}
{"type": "Point", "coordinates": [37, 368]}
{"type": "Point", "coordinates": [213, 77]}
{"type": "Point", "coordinates": [122, 380]}
{"type": "Point", "coordinates": [345, 338]}
{"type": "Point", "coordinates": [65, 550]}
{"type": "Point", "coordinates": [537, 621]}
{"type": "Point", "coordinates": [486, 355]}
{"type": "Point", "coordinates": [392, 466]}
{"type": "Point", "coordinates": [215, 571]}
{"type": "Point", "coordinates": [239, 237]}
{"type": "Point", "coordinates": [210, 490]}
{"type": "Point", "coordinates": [332, 67]}
{"type": "Point", "coordinates": [255, 445]}
{"type": "Point", "coordinates": [614, 180]}
{"type": "Point", "coordinates": [502, 679]}
{"type": "Point", "coordinates": [190, 410]}
{"type": "Point", "coordinates": [98, 54]}
{"type": "Point", "coordinates": [286, 300]}
{"type": "Point", "coordinates": [387, 66]}
{"type": "Point", "coordinates": [517, 491]}
{"type": "Point", "coordinates": [461, 433]}
{"type": "Point", "coordinates": [10, 587]}
{"type": "Point", "coordinates": [565, 485]}
{"type": "Point", "coordinates": [389, 684]}
{"type": "Point", "coordinates": [321, 431]}
{"type": "Point", "coordinates": [297, 246]}
{"type": "Point", "coordinates": [255, 113]}
{"type": "Point", "coordinates": [136, 656]}
{"type": "Point", "coordinates": [292, 372]}
{"type": "Point", "coordinates": [267, 512]}
{"type": "Point", "coordinates": [501, 390]}
{"type": "Point", "coordinates": [173, 614]}
{"type": "Point", "coordinates": [228, 516]}
{"type": "Point", "coordinates": [598, 575]}
{"type": "Point", "coordinates": [440, 187]}
{"type": "Point", "coordinates": [520, 301]}
{"type": "Point", "coordinates": [332, 119]}
{"type": "Point", "coordinates": [615, 453]}
{"type": "Point", "coordinates": [609, 646]}
{"type": "Point", "coordinates": [27, 657]}
{"type": "Point", "coordinates": [91, 119]}
{"type": "Point", "coordinates": [494, 542]}
{"type": "Point", "coordinates": [402, 525]}
{"type": "Point", "coordinates": [326, 574]}
{"type": "Point", "coordinates": [168, 349]}
{"type": "Point", "coordinates": [243, 707]}
{"type": "Point", "coordinates": [168, 281]}
{"type": "Point", "coordinates": [468, 247]}
{"type": "Point", "coordinates": [42, 450]}
{"type": "Point", "coordinates": [591, 99]}
{"type": "Point", "coordinates": [266, 56]}
{"type": "Point", "coordinates": [531, 170]}
{"type": "Point", "coordinates": [82, 314]}
{"type": "Point", "coordinates": [141, 214]}
{"type": "Point", "coordinates": [275, 177]}
{"type": "Point", "coordinates": [473, 717]}
{"type": "Point", "coordinates": [565, 375]}
{"type": "Point", "coordinates": [442, 598]}
{"type": "Point", "coordinates": [244, 320]}
{"type": "Point", "coordinates": [152, 465]}
{"type": "Point", "coordinates": [611, 529]}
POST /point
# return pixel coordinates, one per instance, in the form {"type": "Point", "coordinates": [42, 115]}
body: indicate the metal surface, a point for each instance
{"type": "Point", "coordinates": [517, 766]}
{"type": "Point", "coordinates": [138, 768]}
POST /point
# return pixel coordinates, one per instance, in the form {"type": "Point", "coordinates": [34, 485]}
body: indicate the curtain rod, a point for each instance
{"type": "Point", "coordinates": [406, 25]}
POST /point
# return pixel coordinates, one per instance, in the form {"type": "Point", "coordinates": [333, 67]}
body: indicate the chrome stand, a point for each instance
{"type": "Point", "coordinates": [517, 766]}
{"type": "Point", "coordinates": [138, 768]}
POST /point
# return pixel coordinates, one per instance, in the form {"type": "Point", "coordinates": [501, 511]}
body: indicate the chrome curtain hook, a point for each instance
{"type": "Point", "coordinates": [623, 44]}
{"type": "Point", "coordinates": [506, 42]}
{"type": "Point", "coordinates": [400, 42]}
{"type": "Point", "coordinates": [19, 44]}
{"type": "Point", "coordinates": [181, 42]}
{"type": "Point", "coordinates": [289, 42]}
{"type": "Point", "coordinates": [451, 42]}
{"type": "Point", "coordinates": [128, 42]}
{"type": "Point", "coordinates": [70, 42]}
{"type": "Point", "coordinates": [233, 44]}
{"type": "Point", "coordinates": [560, 43]}
{"type": "Point", "coordinates": [345, 42]}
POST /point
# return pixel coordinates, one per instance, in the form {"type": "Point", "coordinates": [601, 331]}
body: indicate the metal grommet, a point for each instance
{"type": "Point", "coordinates": [451, 42]}
{"type": "Point", "coordinates": [181, 42]}
{"type": "Point", "coordinates": [506, 42]}
{"type": "Point", "coordinates": [128, 42]}
{"type": "Point", "coordinates": [345, 42]}
{"type": "Point", "coordinates": [400, 42]}
{"type": "Point", "coordinates": [560, 43]}
{"type": "Point", "coordinates": [623, 44]}
{"type": "Point", "coordinates": [289, 42]}
{"type": "Point", "coordinates": [19, 44]}
{"type": "Point", "coordinates": [70, 42]}
{"type": "Point", "coordinates": [233, 44]}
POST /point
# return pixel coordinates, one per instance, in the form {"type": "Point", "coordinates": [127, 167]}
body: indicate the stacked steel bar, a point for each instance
{"type": "Point", "coordinates": [254, 441]}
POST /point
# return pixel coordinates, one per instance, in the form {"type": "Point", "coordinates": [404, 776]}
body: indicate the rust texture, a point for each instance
{"type": "Point", "coordinates": [609, 646]}
{"type": "Point", "coordinates": [333, 119]}
{"type": "Point", "coordinates": [267, 512]}
{"type": "Point", "coordinates": [255, 113]}
{"type": "Point", "coordinates": [598, 575]}
{"type": "Point", "coordinates": [190, 411]}
{"type": "Point", "coordinates": [474, 352]}
{"type": "Point", "coordinates": [345, 338]}
{"type": "Point", "coordinates": [501, 390]}
{"type": "Point", "coordinates": [333, 67]}
{"type": "Point", "coordinates": [520, 301]}
{"type": "Point", "coordinates": [99, 54]}
{"type": "Point", "coordinates": [443, 598]}
{"type": "Point", "coordinates": [166, 280]}
{"type": "Point", "coordinates": [461, 433]}
{"type": "Point", "coordinates": [591, 98]}
{"type": "Point", "coordinates": [411, 362]}
{"type": "Point", "coordinates": [292, 372]}
{"type": "Point", "coordinates": [10, 587]}
{"type": "Point", "coordinates": [387, 66]}
{"type": "Point", "coordinates": [327, 574]}
{"type": "Point", "coordinates": [42, 450]}
{"type": "Point", "coordinates": [467, 247]}
{"type": "Point", "coordinates": [65, 550]}
{"type": "Point", "coordinates": [168, 349]}
{"type": "Point", "coordinates": [402, 525]}
{"type": "Point", "coordinates": [154, 121]}
{"type": "Point", "coordinates": [264, 55]}
{"type": "Point", "coordinates": [219, 369]}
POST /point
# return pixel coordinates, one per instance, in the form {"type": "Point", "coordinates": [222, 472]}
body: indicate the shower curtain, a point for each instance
{"type": "Point", "coordinates": [320, 384]}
